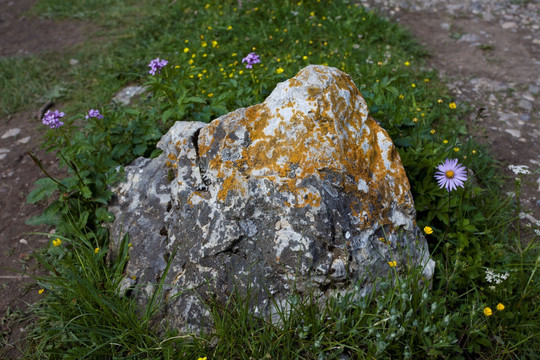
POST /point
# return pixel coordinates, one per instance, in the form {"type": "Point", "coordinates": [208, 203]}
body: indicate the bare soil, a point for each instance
{"type": "Point", "coordinates": [508, 57]}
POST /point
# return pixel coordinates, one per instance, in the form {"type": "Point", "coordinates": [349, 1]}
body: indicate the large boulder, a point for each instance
{"type": "Point", "coordinates": [303, 191]}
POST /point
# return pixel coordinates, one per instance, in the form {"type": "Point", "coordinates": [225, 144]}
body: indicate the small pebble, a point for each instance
{"type": "Point", "coordinates": [11, 132]}
{"type": "Point", "coordinates": [24, 140]}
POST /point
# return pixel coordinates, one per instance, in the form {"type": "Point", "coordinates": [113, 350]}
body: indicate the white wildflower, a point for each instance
{"type": "Point", "coordinates": [492, 277]}
{"type": "Point", "coordinates": [520, 169]}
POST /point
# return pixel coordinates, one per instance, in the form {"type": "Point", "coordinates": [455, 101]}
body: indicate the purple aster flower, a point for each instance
{"type": "Point", "coordinates": [156, 65]}
{"type": "Point", "coordinates": [52, 119]}
{"type": "Point", "coordinates": [251, 60]}
{"type": "Point", "coordinates": [94, 114]}
{"type": "Point", "coordinates": [451, 174]}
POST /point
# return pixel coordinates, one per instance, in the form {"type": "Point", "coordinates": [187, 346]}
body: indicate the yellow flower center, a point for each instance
{"type": "Point", "coordinates": [450, 174]}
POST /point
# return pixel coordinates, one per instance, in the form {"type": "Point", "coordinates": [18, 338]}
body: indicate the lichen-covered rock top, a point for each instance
{"type": "Point", "coordinates": [313, 125]}
{"type": "Point", "coordinates": [299, 189]}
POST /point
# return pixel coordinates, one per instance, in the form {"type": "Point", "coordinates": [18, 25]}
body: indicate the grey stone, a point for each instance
{"type": "Point", "coordinates": [125, 95]}
{"type": "Point", "coordinates": [291, 195]}
{"type": "Point", "coordinates": [528, 96]}
{"type": "Point", "coordinates": [11, 133]}
{"type": "Point", "coordinates": [513, 132]}
{"type": "Point", "coordinates": [509, 25]}
{"type": "Point", "coordinates": [472, 38]}
{"type": "Point", "coordinates": [445, 26]}
{"type": "Point", "coordinates": [525, 117]}
{"type": "Point", "coordinates": [24, 140]}
{"type": "Point", "coordinates": [525, 105]}
{"type": "Point", "coordinates": [534, 89]}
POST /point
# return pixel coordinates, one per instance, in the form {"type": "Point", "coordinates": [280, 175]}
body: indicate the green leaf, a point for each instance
{"type": "Point", "coordinates": [132, 112]}
{"type": "Point", "coordinates": [155, 153]}
{"type": "Point", "coordinates": [404, 142]}
{"type": "Point", "coordinates": [120, 150]}
{"type": "Point", "coordinates": [393, 90]}
{"type": "Point", "coordinates": [45, 188]}
{"type": "Point", "coordinates": [86, 192]}
{"type": "Point", "coordinates": [103, 215]}
{"type": "Point", "coordinates": [139, 149]}
{"type": "Point", "coordinates": [45, 218]}
{"type": "Point", "coordinates": [83, 219]}
{"type": "Point", "coordinates": [195, 99]}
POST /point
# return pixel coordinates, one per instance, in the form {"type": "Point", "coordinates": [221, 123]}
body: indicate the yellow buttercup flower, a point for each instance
{"type": "Point", "coordinates": [57, 242]}
{"type": "Point", "coordinates": [40, 291]}
{"type": "Point", "coordinates": [186, 50]}
{"type": "Point", "coordinates": [432, 131]}
{"type": "Point", "coordinates": [415, 120]}
{"type": "Point", "coordinates": [229, 27]}
{"type": "Point", "coordinates": [96, 250]}
{"type": "Point", "coordinates": [445, 142]}
{"type": "Point", "coordinates": [401, 96]}
{"type": "Point", "coordinates": [426, 80]}
{"type": "Point", "coordinates": [407, 63]}
{"type": "Point", "coordinates": [456, 149]}
{"type": "Point", "coordinates": [439, 101]}
{"type": "Point", "coordinates": [428, 230]}
{"type": "Point", "coordinates": [210, 94]}
{"type": "Point", "coordinates": [392, 263]}
{"type": "Point", "coordinates": [488, 312]}
{"type": "Point", "coordinates": [202, 358]}
{"type": "Point", "coordinates": [413, 85]}
{"type": "Point", "coordinates": [452, 105]}
{"type": "Point", "coordinates": [214, 43]}
{"type": "Point", "coordinates": [500, 307]}
{"type": "Point", "coordinates": [380, 63]}
{"type": "Point", "coordinates": [304, 57]}
{"type": "Point", "coordinates": [279, 70]}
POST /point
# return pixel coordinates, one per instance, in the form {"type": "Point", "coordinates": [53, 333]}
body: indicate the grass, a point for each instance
{"type": "Point", "coordinates": [475, 230]}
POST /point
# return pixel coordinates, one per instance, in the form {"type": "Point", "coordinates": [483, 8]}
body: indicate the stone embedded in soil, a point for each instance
{"type": "Point", "coordinates": [11, 133]}
{"type": "Point", "coordinates": [24, 140]}
{"type": "Point", "coordinates": [125, 95]}
{"type": "Point", "coordinates": [509, 25]}
{"type": "Point", "coordinates": [513, 132]}
{"type": "Point", "coordinates": [525, 105]}
{"type": "Point", "coordinates": [294, 192]}
{"type": "Point", "coordinates": [3, 153]}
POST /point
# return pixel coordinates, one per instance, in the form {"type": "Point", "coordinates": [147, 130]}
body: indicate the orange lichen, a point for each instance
{"type": "Point", "coordinates": [288, 146]}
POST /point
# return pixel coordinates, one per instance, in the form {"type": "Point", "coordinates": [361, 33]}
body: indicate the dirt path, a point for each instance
{"type": "Point", "coordinates": [489, 53]}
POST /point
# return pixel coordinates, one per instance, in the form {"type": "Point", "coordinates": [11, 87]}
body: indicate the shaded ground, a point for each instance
{"type": "Point", "coordinates": [485, 62]}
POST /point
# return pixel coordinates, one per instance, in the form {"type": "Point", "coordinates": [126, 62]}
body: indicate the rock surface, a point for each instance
{"type": "Point", "coordinates": [303, 191]}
